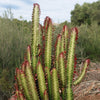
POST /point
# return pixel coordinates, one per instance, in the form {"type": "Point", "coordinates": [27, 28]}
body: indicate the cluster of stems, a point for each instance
{"type": "Point", "coordinates": [45, 75]}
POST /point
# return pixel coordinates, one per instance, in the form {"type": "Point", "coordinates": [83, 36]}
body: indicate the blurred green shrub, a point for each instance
{"type": "Point", "coordinates": [89, 41]}
{"type": "Point", "coordinates": [6, 86]}
{"type": "Point", "coordinates": [14, 36]}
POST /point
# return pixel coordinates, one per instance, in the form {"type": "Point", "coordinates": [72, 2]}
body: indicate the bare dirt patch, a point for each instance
{"type": "Point", "coordinates": [89, 88]}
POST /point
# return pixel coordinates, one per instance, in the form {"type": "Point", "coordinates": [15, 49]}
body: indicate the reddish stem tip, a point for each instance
{"type": "Point", "coordinates": [61, 54]}
{"type": "Point", "coordinates": [88, 61]}
{"type": "Point", "coordinates": [45, 92]}
{"type": "Point", "coordinates": [54, 69]}
{"type": "Point", "coordinates": [65, 28]}
{"type": "Point", "coordinates": [46, 19]}
{"type": "Point", "coordinates": [39, 62]}
{"type": "Point", "coordinates": [20, 94]}
{"type": "Point", "coordinates": [59, 36]}
{"type": "Point", "coordinates": [76, 31]}
{"type": "Point", "coordinates": [26, 63]}
{"type": "Point", "coordinates": [23, 64]}
{"type": "Point", "coordinates": [29, 48]}
{"type": "Point", "coordinates": [47, 22]}
{"type": "Point", "coordinates": [36, 4]}
{"type": "Point", "coordinates": [46, 67]}
{"type": "Point", "coordinates": [21, 71]}
{"type": "Point", "coordinates": [17, 70]}
{"type": "Point", "coordinates": [43, 37]}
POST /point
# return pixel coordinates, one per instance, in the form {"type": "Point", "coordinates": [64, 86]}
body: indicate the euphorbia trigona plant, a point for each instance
{"type": "Point", "coordinates": [42, 77]}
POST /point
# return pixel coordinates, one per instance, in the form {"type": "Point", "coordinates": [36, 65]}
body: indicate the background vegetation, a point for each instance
{"type": "Point", "coordinates": [15, 35]}
{"type": "Point", "coordinates": [14, 38]}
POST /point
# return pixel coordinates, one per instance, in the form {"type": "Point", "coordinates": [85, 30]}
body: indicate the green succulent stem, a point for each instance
{"type": "Point", "coordinates": [48, 44]}
{"type": "Point", "coordinates": [61, 70]}
{"type": "Point", "coordinates": [57, 50]}
{"type": "Point", "coordinates": [79, 79]}
{"type": "Point", "coordinates": [55, 85]}
{"type": "Point", "coordinates": [23, 66]}
{"type": "Point", "coordinates": [69, 93]}
{"type": "Point", "coordinates": [41, 79]}
{"type": "Point", "coordinates": [70, 64]}
{"type": "Point", "coordinates": [21, 97]}
{"type": "Point", "coordinates": [63, 93]}
{"type": "Point", "coordinates": [65, 33]}
{"type": "Point", "coordinates": [62, 43]}
{"type": "Point", "coordinates": [17, 94]}
{"type": "Point", "coordinates": [35, 36]}
{"type": "Point", "coordinates": [45, 95]}
{"type": "Point", "coordinates": [47, 71]}
{"type": "Point", "coordinates": [29, 54]}
{"type": "Point", "coordinates": [25, 86]}
{"type": "Point", "coordinates": [18, 77]}
{"type": "Point", "coordinates": [31, 82]}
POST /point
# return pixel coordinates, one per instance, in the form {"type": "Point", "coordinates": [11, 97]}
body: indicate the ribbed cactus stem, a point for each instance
{"type": "Point", "coordinates": [62, 43]}
{"type": "Point", "coordinates": [61, 70]}
{"type": "Point", "coordinates": [46, 23]}
{"type": "Point", "coordinates": [45, 95]}
{"type": "Point", "coordinates": [65, 33]}
{"type": "Point", "coordinates": [17, 95]}
{"type": "Point", "coordinates": [40, 34]}
{"type": "Point", "coordinates": [55, 85]}
{"type": "Point", "coordinates": [48, 44]}
{"type": "Point", "coordinates": [18, 78]}
{"type": "Point", "coordinates": [25, 85]}
{"type": "Point", "coordinates": [79, 79]}
{"type": "Point", "coordinates": [21, 97]}
{"type": "Point", "coordinates": [35, 35]}
{"type": "Point", "coordinates": [47, 71]}
{"type": "Point", "coordinates": [29, 54]}
{"type": "Point", "coordinates": [63, 93]}
{"type": "Point", "coordinates": [23, 66]}
{"type": "Point", "coordinates": [69, 92]}
{"type": "Point", "coordinates": [70, 63]}
{"type": "Point", "coordinates": [57, 50]}
{"type": "Point", "coordinates": [41, 79]}
{"type": "Point", "coordinates": [31, 82]}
